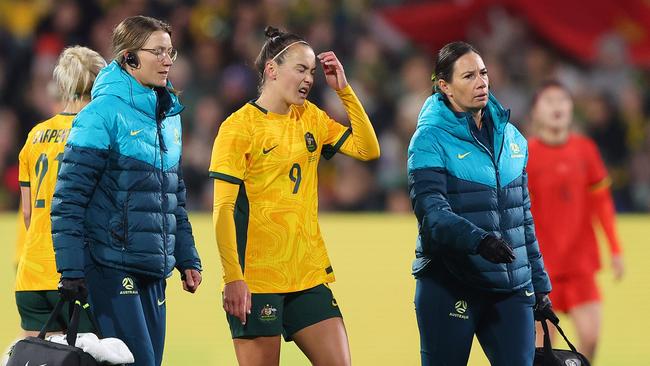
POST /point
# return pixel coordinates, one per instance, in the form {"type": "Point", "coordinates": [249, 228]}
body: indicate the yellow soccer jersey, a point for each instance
{"type": "Point", "coordinates": [39, 162]}
{"type": "Point", "coordinates": [274, 160]}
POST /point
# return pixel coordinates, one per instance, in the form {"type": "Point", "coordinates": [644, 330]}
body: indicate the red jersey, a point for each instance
{"type": "Point", "coordinates": [569, 187]}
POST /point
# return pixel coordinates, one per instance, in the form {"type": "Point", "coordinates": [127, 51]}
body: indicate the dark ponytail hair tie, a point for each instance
{"type": "Point", "coordinates": [272, 33]}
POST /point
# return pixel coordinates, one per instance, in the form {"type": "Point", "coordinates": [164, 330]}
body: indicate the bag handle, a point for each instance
{"type": "Point", "coordinates": [557, 326]}
{"type": "Point", "coordinates": [73, 327]}
{"type": "Point", "coordinates": [548, 347]}
{"type": "Point", "coordinates": [55, 314]}
{"type": "Point", "coordinates": [547, 337]}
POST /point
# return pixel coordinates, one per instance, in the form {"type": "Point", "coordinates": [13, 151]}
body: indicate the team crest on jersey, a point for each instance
{"type": "Point", "coordinates": [310, 141]}
{"type": "Point", "coordinates": [268, 313]}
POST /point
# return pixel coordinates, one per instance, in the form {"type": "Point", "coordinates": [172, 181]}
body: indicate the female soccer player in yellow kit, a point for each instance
{"type": "Point", "coordinates": [264, 162]}
{"type": "Point", "coordinates": [39, 161]}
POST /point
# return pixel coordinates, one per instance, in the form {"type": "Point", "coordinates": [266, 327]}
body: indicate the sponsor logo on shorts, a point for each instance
{"type": "Point", "coordinates": [268, 313]}
{"type": "Point", "coordinates": [129, 286]}
{"type": "Point", "coordinates": [573, 362]}
{"type": "Point", "coordinates": [460, 308]}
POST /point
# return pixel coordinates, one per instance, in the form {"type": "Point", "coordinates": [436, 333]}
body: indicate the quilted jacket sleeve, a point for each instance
{"type": "Point", "coordinates": [440, 227]}
{"type": "Point", "coordinates": [84, 161]}
{"type": "Point", "coordinates": [185, 251]}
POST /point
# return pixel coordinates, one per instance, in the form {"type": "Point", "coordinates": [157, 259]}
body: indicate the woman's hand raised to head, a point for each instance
{"type": "Point", "coordinates": [334, 73]}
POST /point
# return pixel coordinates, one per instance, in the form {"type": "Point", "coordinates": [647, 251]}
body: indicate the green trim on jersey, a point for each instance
{"type": "Point", "coordinates": [242, 212]}
{"type": "Point", "coordinates": [329, 151]}
{"type": "Point", "coordinates": [226, 178]}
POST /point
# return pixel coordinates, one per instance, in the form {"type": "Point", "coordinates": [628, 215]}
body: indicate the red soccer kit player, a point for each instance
{"type": "Point", "coordinates": [569, 190]}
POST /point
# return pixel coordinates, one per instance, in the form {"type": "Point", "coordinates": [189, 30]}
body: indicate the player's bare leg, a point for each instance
{"type": "Point", "coordinates": [587, 319]}
{"type": "Point", "coordinates": [259, 351]}
{"type": "Point", "coordinates": [325, 343]}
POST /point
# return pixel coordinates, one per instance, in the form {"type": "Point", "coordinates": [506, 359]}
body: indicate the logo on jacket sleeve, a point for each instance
{"type": "Point", "coordinates": [516, 151]}
{"type": "Point", "coordinates": [177, 136]}
{"type": "Point", "coordinates": [310, 141]}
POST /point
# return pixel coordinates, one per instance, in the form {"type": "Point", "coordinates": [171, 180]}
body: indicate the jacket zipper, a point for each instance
{"type": "Point", "coordinates": [163, 195]}
{"type": "Point", "coordinates": [125, 209]}
{"type": "Point", "coordinates": [498, 179]}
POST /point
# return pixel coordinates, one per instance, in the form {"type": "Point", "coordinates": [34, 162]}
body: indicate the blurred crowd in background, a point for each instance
{"type": "Point", "coordinates": [218, 41]}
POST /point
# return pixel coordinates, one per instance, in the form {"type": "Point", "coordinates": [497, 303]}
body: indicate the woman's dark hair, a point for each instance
{"type": "Point", "coordinates": [447, 57]}
{"type": "Point", "coordinates": [274, 49]}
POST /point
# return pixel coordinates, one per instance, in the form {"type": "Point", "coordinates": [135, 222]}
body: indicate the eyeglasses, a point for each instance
{"type": "Point", "coordinates": [161, 53]}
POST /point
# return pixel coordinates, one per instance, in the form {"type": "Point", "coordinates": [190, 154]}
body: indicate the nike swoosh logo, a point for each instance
{"type": "Point", "coordinates": [133, 133]}
{"type": "Point", "coordinates": [334, 303]}
{"type": "Point", "coordinates": [529, 293]}
{"type": "Point", "coordinates": [462, 156]}
{"type": "Point", "coordinates": [266, 151]}
{"type": "Point", "coordinates": [160, 302]}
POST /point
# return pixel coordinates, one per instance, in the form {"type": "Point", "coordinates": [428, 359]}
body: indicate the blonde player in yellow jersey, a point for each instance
{"type": "Point", "coordinates": [39, 159]}
{"type": "Point", "coordinates": [264, 162]}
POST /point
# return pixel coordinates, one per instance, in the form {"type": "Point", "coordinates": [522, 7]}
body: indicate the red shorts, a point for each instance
{"type": "Point", "coordinates": [571, 291]}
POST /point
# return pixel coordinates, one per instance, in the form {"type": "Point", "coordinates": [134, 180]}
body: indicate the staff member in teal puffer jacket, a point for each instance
{"type": "Point", "coordinates": [119, 223]}
{"type": "Point", "coordinates": [478, 266]}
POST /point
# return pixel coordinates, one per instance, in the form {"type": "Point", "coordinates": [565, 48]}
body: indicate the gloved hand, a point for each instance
{"type": "Point", "coordinates": [544, 309]}
{"type": "Point", "coordinates": [72, 289]}
{"type": "Point", "coordinates": [495, 250]}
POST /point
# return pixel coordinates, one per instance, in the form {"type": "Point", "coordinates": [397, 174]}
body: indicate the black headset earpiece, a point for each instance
{"type": "Point", "coordinates": [131, 59]}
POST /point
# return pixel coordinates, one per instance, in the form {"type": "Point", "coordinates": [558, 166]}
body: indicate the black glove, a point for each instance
{"type": "Point", "coordinates": [72, 289]}
{"type": "Point", "coordinates": [544, 309]}
{"type": "Point", "coordinates": [495, 250]}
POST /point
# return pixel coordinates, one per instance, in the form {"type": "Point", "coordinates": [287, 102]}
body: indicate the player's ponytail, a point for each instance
{"type": "Point", "coordinates": [274, 49]}
{"type": "Point", "coordinates": [75, 72]}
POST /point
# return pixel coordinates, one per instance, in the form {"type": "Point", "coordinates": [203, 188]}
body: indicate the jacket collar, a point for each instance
{"type": "Point", "coordinates": [114, 80]}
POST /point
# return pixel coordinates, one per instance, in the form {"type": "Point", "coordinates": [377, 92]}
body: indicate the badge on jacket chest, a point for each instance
{"type": "Point", "coordinates": [310, 141]}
